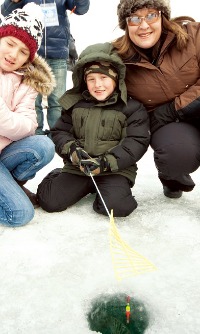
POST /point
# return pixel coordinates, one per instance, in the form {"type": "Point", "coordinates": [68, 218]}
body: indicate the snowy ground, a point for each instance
{"type": "Point", "coordinates": [53, 267]}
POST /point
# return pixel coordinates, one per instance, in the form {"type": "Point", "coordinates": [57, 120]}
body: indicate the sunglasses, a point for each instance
{"type": "Point", "coordinates": [137, 20]}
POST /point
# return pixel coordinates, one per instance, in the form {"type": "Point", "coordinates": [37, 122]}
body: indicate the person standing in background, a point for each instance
{"type": "Point", "coordinates": [73, 54]}
{"type": "Point", "coordinates": [54, 48]}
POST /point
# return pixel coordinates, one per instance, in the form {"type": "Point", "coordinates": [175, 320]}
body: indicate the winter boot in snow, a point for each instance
{"type": "Point", "coordinates": [33, 197]}
{"type": "Point", "coordinates": [174, 188]}
{"type": "Point", "coordinates": [172, 193]}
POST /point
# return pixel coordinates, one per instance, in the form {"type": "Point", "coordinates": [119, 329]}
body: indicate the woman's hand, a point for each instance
{"type": "Point", "coordinates": [163, 115]}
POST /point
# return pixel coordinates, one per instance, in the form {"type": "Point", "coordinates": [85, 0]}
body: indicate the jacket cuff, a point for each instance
{"type": "Point", "coordinates": [66, 147]}
{"type": "Point", "coordinates": [112, 161]}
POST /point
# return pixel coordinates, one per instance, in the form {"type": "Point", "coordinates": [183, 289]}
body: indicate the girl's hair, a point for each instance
{"type": "Point", "coordinates": [125, 47]}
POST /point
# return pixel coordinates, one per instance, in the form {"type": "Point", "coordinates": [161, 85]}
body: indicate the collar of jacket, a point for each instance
{"type": "Point", "coordinates": [68, 99]}
{"type": "Point", "coordinates": [39, 76]}
{"type": "Point", "coordinates": [110, 99]}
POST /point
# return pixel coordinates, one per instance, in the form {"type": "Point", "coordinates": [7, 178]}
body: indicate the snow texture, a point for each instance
{"type": "Point", "coordinates": [52, 268]}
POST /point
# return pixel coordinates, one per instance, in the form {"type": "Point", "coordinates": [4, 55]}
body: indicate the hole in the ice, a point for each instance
{"type": "Point", "coordinates": [108, 315]}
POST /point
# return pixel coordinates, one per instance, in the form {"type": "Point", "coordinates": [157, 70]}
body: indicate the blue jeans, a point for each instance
{"type": "Point", "coordinates": [59, 68]}
{"type": "Point", "coordinates": [21, 160]}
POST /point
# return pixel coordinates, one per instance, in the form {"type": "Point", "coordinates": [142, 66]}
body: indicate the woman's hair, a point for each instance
{"type": "Point", "coordinates": [125, 46]}
{"type": "Point", "coordinates": [183, 19]}
{"type": "Point", "coordinates": [176, 27]}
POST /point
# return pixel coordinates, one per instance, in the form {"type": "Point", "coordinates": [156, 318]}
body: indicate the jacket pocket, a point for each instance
{"type": "Point", "coordinates": [111, 125]}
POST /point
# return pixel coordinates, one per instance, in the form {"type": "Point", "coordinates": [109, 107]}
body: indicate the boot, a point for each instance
{"type": "Point", "coordinates": [171, 193]}
{"type": "Point", "coordinates": [174, 189]}
{"type": "Point", "coordinates": [33, 197]}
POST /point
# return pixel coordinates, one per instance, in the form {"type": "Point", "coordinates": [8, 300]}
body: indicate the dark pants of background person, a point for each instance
{"type": "Point", "coordinates": [177, 154]}
{"type": "Point", "coordinates": [59, 190]}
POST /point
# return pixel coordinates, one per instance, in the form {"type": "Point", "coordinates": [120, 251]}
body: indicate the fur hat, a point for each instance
{"type": "Point", "coordinates": [101, 67]}
{"type": "Point", "coordinates": [26, 24]}
{"type": "Point", "coordinates": [126, 7]}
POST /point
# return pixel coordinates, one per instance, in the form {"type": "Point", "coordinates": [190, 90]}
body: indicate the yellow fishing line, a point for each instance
{"type": "Point", "coordinates": [126, 261]}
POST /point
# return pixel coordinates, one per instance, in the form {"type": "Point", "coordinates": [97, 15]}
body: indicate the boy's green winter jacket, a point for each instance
{"type": "Point", "coordinates": [117, 128]}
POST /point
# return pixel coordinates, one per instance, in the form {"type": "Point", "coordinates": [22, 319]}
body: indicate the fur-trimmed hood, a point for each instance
{"type": "Point", "coordinates": [39, 76]}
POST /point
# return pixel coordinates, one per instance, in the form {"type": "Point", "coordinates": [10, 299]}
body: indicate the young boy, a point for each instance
{"type": "Point", "coordinates": [100, 132]}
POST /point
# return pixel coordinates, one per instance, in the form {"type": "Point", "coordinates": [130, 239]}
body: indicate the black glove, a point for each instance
{"type": "Point", "coordinates": [163, 115]}
{"type": "Point", "coordinates": [191, 112]}
{"type": "Point", "coordinates": [94, 166]}
{"type": "Point", "coordinates": [77, 154]}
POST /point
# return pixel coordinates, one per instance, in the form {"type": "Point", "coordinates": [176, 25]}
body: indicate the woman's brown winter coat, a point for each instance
{"type": "Point", "coordinates": [175, 76]}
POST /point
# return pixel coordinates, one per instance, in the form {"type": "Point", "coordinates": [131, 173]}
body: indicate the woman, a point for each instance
{"type": "Point", "coordinates": [162, 58]}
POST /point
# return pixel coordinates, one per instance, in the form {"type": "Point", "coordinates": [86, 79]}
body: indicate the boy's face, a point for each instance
{"type": "Point", "coordinates": [13, 53]}
{"type": "Point", "coordinates": [100, 86]}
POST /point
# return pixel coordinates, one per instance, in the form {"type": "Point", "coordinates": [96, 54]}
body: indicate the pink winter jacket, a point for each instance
{"type": "Point", "coordinates": [18, 92]}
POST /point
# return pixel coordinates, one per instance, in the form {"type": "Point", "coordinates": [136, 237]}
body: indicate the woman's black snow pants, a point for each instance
{"type": "Point", "coordinates": [176, 154]}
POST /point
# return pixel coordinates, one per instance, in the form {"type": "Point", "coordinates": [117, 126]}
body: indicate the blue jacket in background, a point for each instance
{"type": "Point", "coordinates": [55, 42]}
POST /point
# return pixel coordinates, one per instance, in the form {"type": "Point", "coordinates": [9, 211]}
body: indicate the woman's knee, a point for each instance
{"type": "Point", "coordinates": [176, 133]}
{"type": "Point", "coordinates": [176, 148]}
{"type": "Point", "coordinates": [177, 159]}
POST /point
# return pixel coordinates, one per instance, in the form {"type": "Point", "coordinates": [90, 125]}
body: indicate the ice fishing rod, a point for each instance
{"type": "Point", "coordinates": [99, 193]}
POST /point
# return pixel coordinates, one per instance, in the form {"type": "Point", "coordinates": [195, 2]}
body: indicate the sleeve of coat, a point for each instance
{"type": "Point", "coordinates": [8, 6]}
{"type": "Point", "coordinates": [187, 104]}
{"type": "Point", "coordinates": [62, 134]}
{"type": "Point", "coordinates": [136, 139]}
{"type": "Point", "coordinates": [79, 7]}
{"type": "Point", "coordinates": [20, 122]}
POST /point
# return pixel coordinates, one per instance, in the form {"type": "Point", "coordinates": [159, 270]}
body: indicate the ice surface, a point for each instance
{"type": "Point", "coordinates": [53, 267]}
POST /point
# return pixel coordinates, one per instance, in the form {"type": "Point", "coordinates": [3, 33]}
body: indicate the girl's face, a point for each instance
{"type": "Point", "coordinates": [148, 32]}
{"type": "Point", "coordinates": [13, 53]}
{"type": "Point", "coordinates": [100, 86]}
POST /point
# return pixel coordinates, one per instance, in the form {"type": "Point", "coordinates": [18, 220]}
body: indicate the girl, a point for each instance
{"type": "Point", "coordinates": [22, 76]}
{"type": "Point", "coordinates": [54, 49]}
